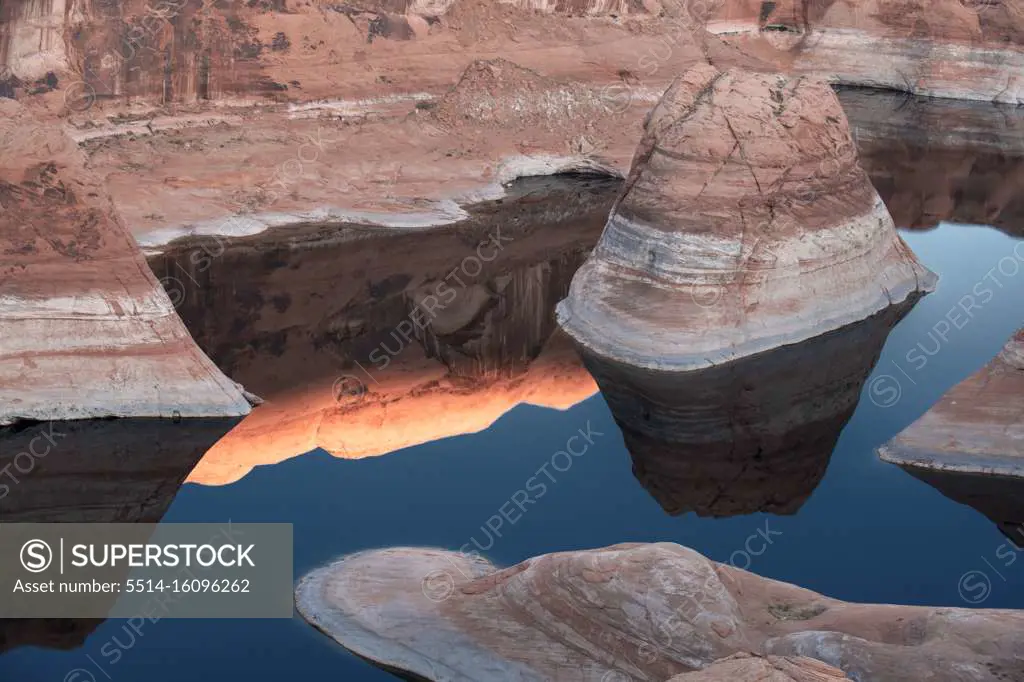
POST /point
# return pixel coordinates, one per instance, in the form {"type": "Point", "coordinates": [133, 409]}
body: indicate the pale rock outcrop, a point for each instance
{"type": "Point", "coordinates": [749, 436]}
{"type": "Point", "coordinates": [85, 328]}
{"type": "Point", "coordinates": [631, 612]}
{"type": "Point", "coordinates": [977, 426]}
{"type": "Point", "coordinates": [745, 224]}
{"type": "Point", "coordinates": [753, 668]}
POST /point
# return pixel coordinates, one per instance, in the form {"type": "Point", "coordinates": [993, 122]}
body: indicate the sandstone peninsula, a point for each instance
{"type": "Point", "coordinates": [85, 328]}
{"type": "Point", "coordinates": [977, 427]}
{"type": "Point", "coordinates": [635, 611]}
{"type": "Point", "coordinates": [745, 224]}
{"type": "Point", "coordinates": [749, 436]}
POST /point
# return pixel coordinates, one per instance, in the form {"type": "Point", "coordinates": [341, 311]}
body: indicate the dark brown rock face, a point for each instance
{"type": "Point", "coordinates": [632, 611]}
{"type": "Point", "coordinates": [748, 436]}
{"type": "Point", "coordinates": [745, 224]}
{"type": "Point", "coordinates": [977, 427]}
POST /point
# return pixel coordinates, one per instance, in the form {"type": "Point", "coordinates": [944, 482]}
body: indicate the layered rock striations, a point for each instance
{"type": "Point", "coordinates": [749, 436]}
{"type": "Point", "coordinates": [85, 328]}
{"type": "Point", "coordinates": [977, 427]}
{"type": "Point", "coordinates": [964, 49]}
{"type": "Point", "coordinates": [641, 612]}
{"type": "Point", "coordinates": [745, 224]}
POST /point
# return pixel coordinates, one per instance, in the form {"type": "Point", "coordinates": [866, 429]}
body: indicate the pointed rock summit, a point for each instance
{"type": "Point", "coordinates": [745, 224]}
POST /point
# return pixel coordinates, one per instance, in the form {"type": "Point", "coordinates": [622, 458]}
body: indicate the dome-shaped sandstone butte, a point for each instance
{"type": "Point", "coordinates": [745, 224]}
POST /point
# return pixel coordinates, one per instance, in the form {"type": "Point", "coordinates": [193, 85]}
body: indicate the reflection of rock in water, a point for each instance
{"type": "Point", "coordinates": [503, 325]}
{"type": "Point", "coordinates": [1000, 498]}
{"type": "Point", "coordinates": [101, 471]}
{"type": "Point", "coordinates": [291, 313]}
{"type": "Point", "coordinates": [284, 310]}
{"type": "Point", "coordinates": [94, 471]}
{"type": "Point", "coordinates": [748, 436]}
{"type": "Point", "coordinates": [936, 160]}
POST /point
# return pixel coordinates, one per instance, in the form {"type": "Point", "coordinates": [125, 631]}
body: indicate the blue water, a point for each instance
{"type": "Point", "coordinates": [869, 532]}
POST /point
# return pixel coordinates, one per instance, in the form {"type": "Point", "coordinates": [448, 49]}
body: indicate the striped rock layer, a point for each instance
{"type": "Point", "coordinates": [745, 224]}
{"type": "Point", "coordinates": [86, 330]}
{"type": "Point", "coordinates": [963, 49]}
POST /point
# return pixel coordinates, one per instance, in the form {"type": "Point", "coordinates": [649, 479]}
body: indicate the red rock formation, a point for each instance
{"type": "Point", "coordinates": [969, 49]}
{"type": "Point", "coordinates": [977, 427]}
{"type": "Point", "coordinates": [85, 328]}
{"type": "Point", "coordinates": [745, 224]}
{"type": "Point", "coordinates": [632, 611]}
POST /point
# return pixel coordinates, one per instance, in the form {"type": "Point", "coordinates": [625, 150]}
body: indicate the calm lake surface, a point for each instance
{"type": "Point", "coordinates": [867, 531]}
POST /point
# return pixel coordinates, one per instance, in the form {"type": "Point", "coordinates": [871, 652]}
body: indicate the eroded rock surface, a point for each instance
{"type": "Point", "coordinates": [745, 224]}
{"type": "Point", "coordinates": [631, 612]}
{"type": "Point", "coordinates": [749, 436]}
{"type": "Point", "coordinates": [85, 328]}
{"type": "Point", "coordinates": [977, 427]}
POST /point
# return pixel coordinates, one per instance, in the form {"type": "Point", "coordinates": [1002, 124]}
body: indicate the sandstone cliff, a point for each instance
{"type": "Point", "coordinates": [977, 427]}
{"type": "Point", "coordinates": [745, 224]}
{"type": "Point", "coordinates": [85, 328]}
{"type": "Point", "coordinates": [750, 436]}
{"type": "Point", "coordinates": [968, 49]}
{"type": "Point", "coordinates": [641, 612]}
